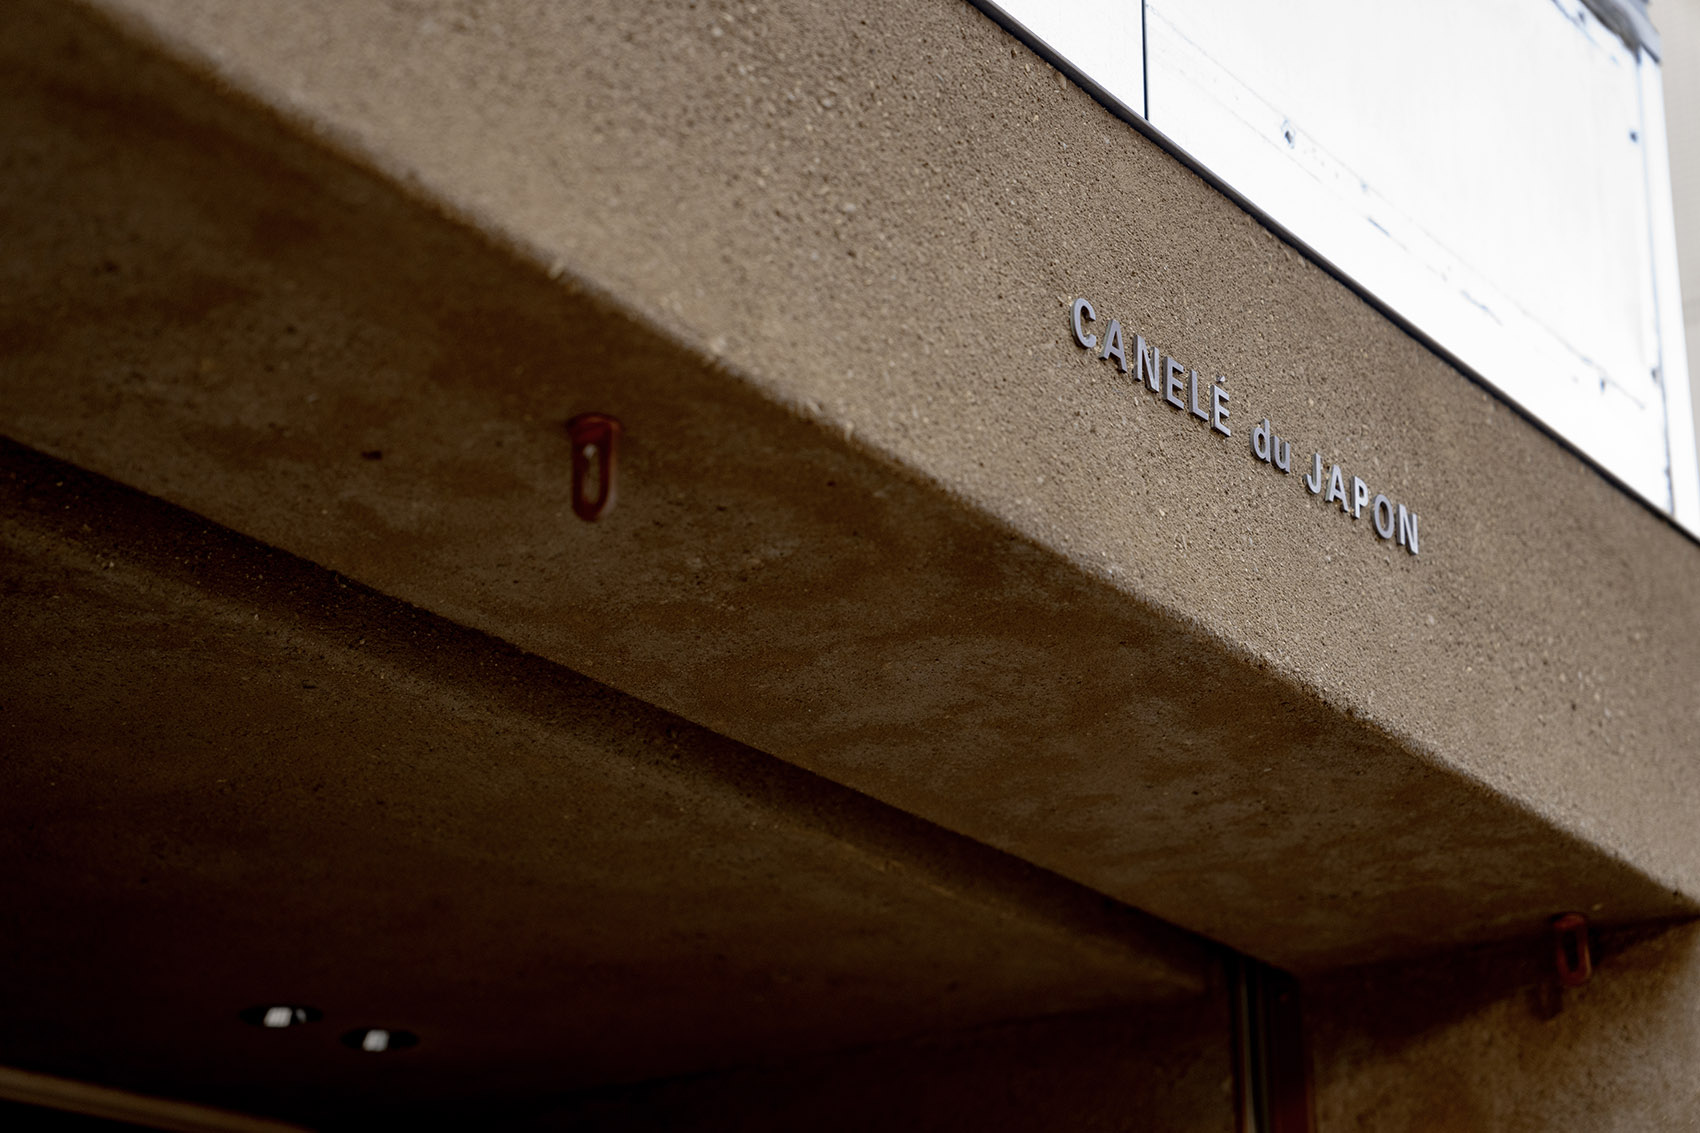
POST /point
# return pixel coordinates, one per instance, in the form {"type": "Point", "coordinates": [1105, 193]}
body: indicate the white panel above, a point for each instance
{"type": "Point", "coordinates": [1485, 169]}
{"type": "Point", "coordinates": [1103, 38]}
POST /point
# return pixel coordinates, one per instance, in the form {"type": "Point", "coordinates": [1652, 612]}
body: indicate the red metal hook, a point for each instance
{"type": "Point", "coordinates": [594, 437]}
{"type": "Point", "coordinates": [1570, 945]}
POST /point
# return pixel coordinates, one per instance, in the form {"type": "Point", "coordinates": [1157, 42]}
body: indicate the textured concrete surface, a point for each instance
{"type": "Point", "coordinates": [1155, 1069]}
{"type": "Point", "coordinates": [1486, 1040]}
{"type": "Point", "coordinates": [880, 517]}
{"type": "Point", "coordinates": [231, 778]}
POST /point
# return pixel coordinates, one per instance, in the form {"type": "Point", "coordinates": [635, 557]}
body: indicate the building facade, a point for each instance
{"type": "Point", "coordinates": [767, 566]}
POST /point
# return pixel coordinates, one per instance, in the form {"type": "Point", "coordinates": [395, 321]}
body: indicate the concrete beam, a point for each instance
{"type": "Point", "coordinates": [880, 515]}
{"type": "Point", "coordinates": [234, 779]}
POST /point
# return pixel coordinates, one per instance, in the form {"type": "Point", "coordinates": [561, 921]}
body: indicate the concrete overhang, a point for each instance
{"type": "Point", "coordinates": [233, 779]}
{"type": "Point", "coordinates": [334, 274]}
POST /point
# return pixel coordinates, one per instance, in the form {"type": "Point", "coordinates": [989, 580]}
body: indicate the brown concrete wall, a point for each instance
{"type": "Point", "coordinates": [232, 778]}
{"type": "Point", "coordinates": [1474, 1041]}
{"type": "Point", "coordinates": [1486, 1040]}
{"type": "Point", "coordinates": [1155, 1069]}
{"type": "Point", "coordinates": [881, 517]}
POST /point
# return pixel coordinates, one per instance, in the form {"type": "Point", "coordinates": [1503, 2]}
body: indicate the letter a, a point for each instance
{"type": "Point", "coordinates": [1337, 489]}
{"type": "Point", "coordinates": [1113, 347]}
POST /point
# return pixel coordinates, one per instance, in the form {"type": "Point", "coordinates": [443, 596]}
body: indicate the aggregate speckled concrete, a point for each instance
{"type": "Point", "coordinates": [1485, 1040]}
{"type": "Point", "coordinates": [334, 275]}
{"type": "Point", "coordinates": [1479, 1041]}
{"type": "Point", "coordinates": [232, 778]}
{"type": "Point", "coordinates": [881, 516]}
{"type": "Point", "coordinates": [1108, 1072]}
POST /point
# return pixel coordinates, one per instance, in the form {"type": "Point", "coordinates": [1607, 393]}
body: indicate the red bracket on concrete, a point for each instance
{"type": "Point", "coordinates": [1570, 944]}
{"type": "Point", "coordinates": [594, 436]}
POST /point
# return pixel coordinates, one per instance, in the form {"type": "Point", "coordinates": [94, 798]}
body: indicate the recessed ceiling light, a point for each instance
{"type": "Point", "coordinates": [276, 1015]}
{"type": "Point", "coordinates": [377, 1040]}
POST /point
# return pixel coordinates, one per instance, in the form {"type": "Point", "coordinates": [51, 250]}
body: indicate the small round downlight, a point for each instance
{"type": "Point", "coordinates": [276, 1016]}
{"type": "Point", "coordinates": [378, 1040]}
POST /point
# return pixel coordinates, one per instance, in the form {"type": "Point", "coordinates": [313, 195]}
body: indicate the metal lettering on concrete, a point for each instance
{"type": "Point", "coordinates": [1178, 386]}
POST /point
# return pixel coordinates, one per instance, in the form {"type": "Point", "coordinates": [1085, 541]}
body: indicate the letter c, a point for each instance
{"type": "Point", "coordinates": [1080, 335]}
